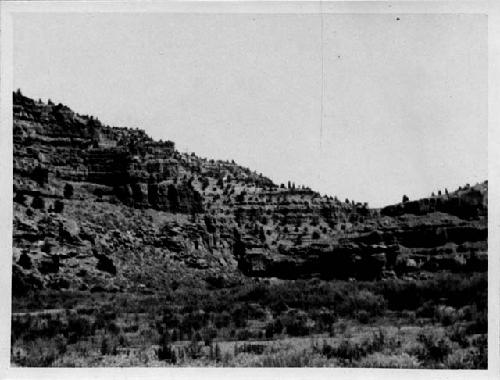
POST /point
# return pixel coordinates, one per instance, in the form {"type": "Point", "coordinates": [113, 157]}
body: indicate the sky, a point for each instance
{"type": "Point", "coordinates": [362, 106]}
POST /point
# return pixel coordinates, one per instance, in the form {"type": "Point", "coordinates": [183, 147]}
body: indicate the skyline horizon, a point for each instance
{"type": "Point", "coordinates": [363, 106]}
{"type": "Point", "coordinates": [278, 183]}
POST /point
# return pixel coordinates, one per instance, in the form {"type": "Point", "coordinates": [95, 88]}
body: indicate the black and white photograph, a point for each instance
{"type": "Point", "coordinates": [253, 185]}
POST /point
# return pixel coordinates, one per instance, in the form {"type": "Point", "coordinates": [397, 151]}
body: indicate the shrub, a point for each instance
{"type": "Point", "coordinates": [170, 318]}
{"type": "Point", "coordinates": [347, 351]}
{"type": "Point", "coordinates": [25, 261]}
{"type": "Point", "coordinates": [297, 327]}
{"type": "Point", "coordinates": [78, 327]}
{"type": "Point", "coordinates": [426, 310]}
{"type": "Point", "coordinates": [20, 198]}
{"type": "Point", "coordinates": [462, 359]}
{"type": "Point", "coordinates": [363, 316]}
{"type": "Point", "coordinates": [324, 319]}
{"type": "Point", "coordinates": [222, 320]}
{"type": "Point", "coordinates": [240, 316]}
{"type": "Point", "coordinates": [459, 290]}
{"type": "Point", "coordinates": [380, 360]}
{"type": "Point", "coordinates": [475, 357]}
{"type": "Point", "coordinates": [105, 346]}
{"type": "Point", "coordinates": [278, 327]}
{"type": "Point", "coordinates": [99, 193]}
{"type": "Point", "coordinates": [47, 246]}
{"type": "Point", "coordinates": [122, 340]}
{"type": "Point", "coordinates": [296, 323]}
{"type": "Point", "coordinates": [269, 331]}
{"type": "Point", "coordinates": [446, 315]}
{"type": "Point", "coordinates": [243, 334]}
{"type": "Point", "coordinates": [113, 328]}
{"type": "Point", "coordinates": [40, 175]}
{"type": "Point", "coordinates": [58, 206]}
{"type": "Point", "coordinates": [480, 358]}
{"type": "Point", "coordinates": [193, 350]}
{"type": "Point", "coordinates": [194, 321]}
{"type": "Point", "coordinates": [363, 300]}
{"type": "Point", "coordinates": [479, 325]}
{"type": "Point", "coordinates": [68, 191]}
{"type": "Point", "coordinates": [215, 353]}
{"type": "Point", "coordinates": [294, 358]}
{"type": "Point", "coordinates": [208, 335]}
{"type": "Point", "coordinates": [38, 203]}
{"type": "Point", "coordinates": [436, 347]}
{"type": "Point", "coordinates": [377, 342]}
{"type": "Point", "coordinates": [131, 328]}
{"type": "Point", "coordinates": [459, 334]}
{"type": "Point", "coordinates": [166, 352]}
{"type": "Point", "coordinates": [42, 352]}
{"type": "Point", "coordinates": [251, 348]}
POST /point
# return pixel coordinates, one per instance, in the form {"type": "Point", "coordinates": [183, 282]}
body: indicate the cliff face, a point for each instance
{"type": "Point", "coordinates": [79, 148]}
{"type": "Point", "coordinates": [97, 207]}
{"type": "Point", "coordinates": [467, 203]}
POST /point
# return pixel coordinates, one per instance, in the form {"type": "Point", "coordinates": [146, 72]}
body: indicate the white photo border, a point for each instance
{"type": "Point", "coordinates": [8, 11]}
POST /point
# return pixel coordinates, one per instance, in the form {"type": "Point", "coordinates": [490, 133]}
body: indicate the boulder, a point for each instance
{"type": "Point", "coordinates": [69, 231]}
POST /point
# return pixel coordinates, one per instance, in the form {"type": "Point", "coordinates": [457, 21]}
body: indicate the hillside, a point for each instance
{"type": "Point", "coordinates": [127, 252]}
{"type": "Point", "coordinates": [98, 207]}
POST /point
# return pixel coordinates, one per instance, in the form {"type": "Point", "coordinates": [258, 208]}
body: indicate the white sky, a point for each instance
{"type": "Point", "coordinates": [404, 106]}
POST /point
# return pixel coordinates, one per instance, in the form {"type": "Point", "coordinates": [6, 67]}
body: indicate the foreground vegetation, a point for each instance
{"type": "Point", "coordinates": [436, 323]}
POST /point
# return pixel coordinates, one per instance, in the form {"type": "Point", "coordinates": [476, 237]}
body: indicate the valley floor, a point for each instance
{"type": "Point", "coordinates": [436, 323]}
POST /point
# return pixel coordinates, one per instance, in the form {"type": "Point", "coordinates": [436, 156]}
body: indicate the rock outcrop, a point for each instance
{"type": "Point", "coordinates": [97, 207]}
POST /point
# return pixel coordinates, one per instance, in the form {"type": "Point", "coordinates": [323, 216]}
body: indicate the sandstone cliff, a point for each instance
{"type": "Point", "coordinates": [103, 208]}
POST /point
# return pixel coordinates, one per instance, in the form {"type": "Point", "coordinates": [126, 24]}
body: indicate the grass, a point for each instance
{"type": "Point", "coordinates": [295, 323]}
